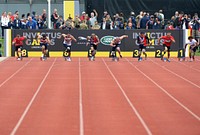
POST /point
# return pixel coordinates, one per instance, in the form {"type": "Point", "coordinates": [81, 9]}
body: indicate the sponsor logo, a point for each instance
{"type": "Point", "coordinates": [106, 40]}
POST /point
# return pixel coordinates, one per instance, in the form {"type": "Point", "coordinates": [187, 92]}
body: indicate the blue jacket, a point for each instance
{"type": "Point", "coordinates": [31, 25]}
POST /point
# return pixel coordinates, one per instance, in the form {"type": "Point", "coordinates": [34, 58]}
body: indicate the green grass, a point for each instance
{"type": "Point", "coordinates": [2, 46]}
{"type": "Point", "coordinates": [197, 53]}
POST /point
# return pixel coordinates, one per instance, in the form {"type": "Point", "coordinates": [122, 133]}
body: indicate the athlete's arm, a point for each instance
{"type": "Point", "coordinates": [173, 40]}
{"type": "Point", "coordinates": [73, 38]}
{"type": "Point", "coordinates": [14, 41]}
{"type": "Point", "coordinates": [123, 36]}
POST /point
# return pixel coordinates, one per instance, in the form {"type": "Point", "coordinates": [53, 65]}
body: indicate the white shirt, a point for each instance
{"type": "Point", "coordinates": [191, 43]}
{"type": "Point", "coordinates": [92, 20]}
{"type": "Point", "coordinates": [4, 20]}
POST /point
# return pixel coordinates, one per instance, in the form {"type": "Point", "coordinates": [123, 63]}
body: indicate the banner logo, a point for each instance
{"type": "Point", "coordinates": [106, 40]}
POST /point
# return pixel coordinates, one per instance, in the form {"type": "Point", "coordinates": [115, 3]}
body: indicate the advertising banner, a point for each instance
{"type": "Point", "coordinates": [32, 43]}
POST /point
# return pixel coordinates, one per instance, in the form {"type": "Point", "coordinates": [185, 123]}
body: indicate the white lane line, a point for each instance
{"type": "Point", "coordinates": [128, 100]}
{"type": "Point", "coordinates": [80, 101]}
{"type": "Point", "coordinates": [32, 100]}
{"type": "Point", "coordinates": [177, 75]}
{"type": "Point", "coordinates": [15, 73]}
{"type": "Point", "coordinates": [165, 91]}
{"type": "Point", "coordinates": [182, 63]}
{"type": "Point", "coordinates": [3, 59]}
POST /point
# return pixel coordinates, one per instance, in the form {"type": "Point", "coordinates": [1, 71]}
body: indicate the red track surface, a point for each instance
{"type": "Point", "coordinates": [56, 97]}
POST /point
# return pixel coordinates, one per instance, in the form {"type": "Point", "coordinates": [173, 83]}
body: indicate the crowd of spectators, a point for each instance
{"type": "Point", "coordinates": [143, 20]}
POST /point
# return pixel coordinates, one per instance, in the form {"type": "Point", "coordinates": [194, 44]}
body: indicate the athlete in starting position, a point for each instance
{"type": "Point", "coordinates": [168, 39]}
{"type": "Point", "coordinates": [193, 47]}
{"type": "Point", "coordinates": [67, 43]}
{"type": "Point", "coordinates": [93, 41]}
{"type": "Point", "coordinates": [143, 41]}
{"type": "Point", "coordinates": [44, 41]}
{"type": "Point", "coordinates": [18, 43]}
{"type": "Point", "coordinates": [116, 42]}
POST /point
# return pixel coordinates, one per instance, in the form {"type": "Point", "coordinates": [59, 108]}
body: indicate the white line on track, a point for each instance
{"type": "Point", "coordinates": [182, 63]}
{"type": "Point", "coordinates": [177, 75]}
{"type": "Point", "coordinates": [165, 91]}
{"type": "Point", "coordinates": [80, 101]}
{"type": "Point", "coordinates": [15, 73]}
{"type": "Point", "coordinates": [128, 100]}
{"type": "Point", "coordinates": [32, 100]}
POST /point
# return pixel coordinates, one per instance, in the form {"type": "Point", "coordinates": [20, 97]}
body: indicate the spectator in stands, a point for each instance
{"type": "Point", "coordinates": [118, 22]}
{"type": "Point", "coordinates": [54, 18]}
{"type": "Point", "coordinates": [195, 23]}
{"type": "Point", "coordinates": [31, 24]}
{"type": "Point", "coordinates": [23, 22]}
{"type": "Point", "coordinates": [40, 23]}
{"type": "Point", "coordinates": [83, 25]}
{"type": "Point", "coordinates": [59, 22]}
{"type": "Point", "coordinates": [133, 21]}
{"type": "Point", "coordinates": [109, 21]}
{"type": "Point", "coordinates": [106, 24]}
{"type": "Point", "coordinates": [87, 22]}
{"type": "Point", "coordinates": [93, 17]}
{"type": "Point", "coordinates": [63, 26]}
{"type": "Point", "coordinates": [169, 26]}
{"type": "Point", "coordinates": [144, 21]}
{"type": "Point", "coordinates": [44, 17]}
{"type": "Point", "coordinates": [10, 16]}
{"type": "Point", "coordinates": [11, 24]}
{"type": "Point", "coordinates": [150, 23]}
{"type": "Point", "coordinates": [185, 22]}
{"type": "Point", "coordinates": [161, 18]}
{"type": "Point", "coordinates": [172, 20]}
{"type": "Point", "coordinates": [77, 22]}
{"type": "Point", "coordinates": [4, 22]}
{"type": "Point", "coordinates": [82, 17]}
{"type": "Point", "coordinates": [34, 15]}
{"type": "Point", "coordinates": [157, 24]}
{"type": "Point", "coordinates": [69, 23]}
{"type": "Point", "coordinates": [130, 26]}
{"type": "Point", "coordinates": [17, 23]}
{"type": "Point", "coordinates": [105, 13]}
{"type": "Point", "coordinates": [96, 26]}
{"type": "Point", "coordinates": [178, 19]}
{"type": "Point", "coordinates": [138, 19]}
{"type": "Point", "coordinates": [28, 15]}
{"type": "Point", "coordinates": [16, 14]}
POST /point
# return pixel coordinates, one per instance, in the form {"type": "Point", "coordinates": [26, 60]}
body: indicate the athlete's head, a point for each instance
{"type": "Point", "coordinates": [68, 36]}
{"type": "Point", "coordinates": [168, 34]}
{"type": "Point", "coordinates": [190, 38]}
{"type": "Point", "coordinates": [18, 36]}
{"type": "Point", "coordinates": [44, 36]}
{"type": "Point", "coordinates": [117, 39]}
{"type": "Point", "coordinates": [93, 35]}
{"type": "Point", "coordinates": [142, 34]}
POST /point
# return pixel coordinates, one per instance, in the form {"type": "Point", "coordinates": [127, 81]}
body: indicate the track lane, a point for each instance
{"type": "Point", "coordinates": [55, 109]}
{"type": "Point", "coordinates": [17, 92]}
{"type": "Point", "coordinates": [10, 67]}
{"type": "Point", "coordinates": [162, 115]}
{"type": "Point", "coordinates": [105, 109]}
{"type": "Point", "coordinates": [187, 74]}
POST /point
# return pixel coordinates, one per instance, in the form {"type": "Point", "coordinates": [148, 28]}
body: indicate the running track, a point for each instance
{"type": "Point", "coordinates": [56, 97]}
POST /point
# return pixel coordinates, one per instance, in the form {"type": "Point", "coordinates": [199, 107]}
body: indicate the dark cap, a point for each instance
{"type": "Point", "coordinates": [142, 32]}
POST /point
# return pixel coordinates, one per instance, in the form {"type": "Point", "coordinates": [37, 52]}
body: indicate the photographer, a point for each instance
{"type": "Point", "coordinates": [195, 23]}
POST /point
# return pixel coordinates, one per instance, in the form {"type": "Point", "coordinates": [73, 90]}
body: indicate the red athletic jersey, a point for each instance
{"type": "Point", "coordinates": [167, 40]}
{"type": "Point", "coordinates": [18, 41]}
{"type": "Point", "coordinates": [94, 40]}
